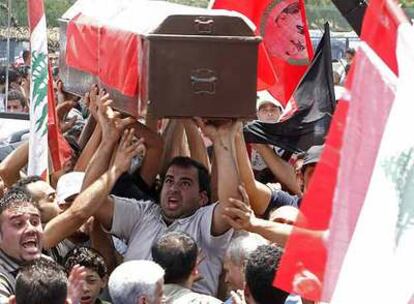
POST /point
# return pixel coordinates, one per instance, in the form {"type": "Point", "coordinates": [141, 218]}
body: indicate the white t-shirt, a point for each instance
{"type": "Point", "coordinates": [141, 223]}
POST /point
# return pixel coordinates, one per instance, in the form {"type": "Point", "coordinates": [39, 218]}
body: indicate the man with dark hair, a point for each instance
{"type": "Point", "coordinates": [16, 102]}
{"type": "Point", "coordinates": [261, 268]}
{"type": "Point", "coordinates": [21, 236]}
{"type": "Point", "coordinates": [43, 195]}
{"type": "Point", "coordinates": [183, 204]}
{"type": "Point", "coordinates": [177, 253]}
{"type": "Point", "coordinates": [41, 282]}
{"type": "Point", "coordinates": [203, 174]}
{"type": "Point", "coordinates": [96, 272]}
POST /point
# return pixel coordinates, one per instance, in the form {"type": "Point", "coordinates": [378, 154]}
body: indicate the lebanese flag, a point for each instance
{"type": "Point", "coordinates": [286, 40]}
{"type": "Point", "coordinates": [38, 140]}
{"type": "Point", "coordinates": [354, 242]}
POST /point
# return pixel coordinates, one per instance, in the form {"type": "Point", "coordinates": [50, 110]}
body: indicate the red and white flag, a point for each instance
{"type": "Point", "coordinates": [44, 127]}
{"type": "Point", "coordinates": [286, 39]}
{"type": "Point", "coordinates": [38, 141]}
{"type": "Point", "coordinates": [360, 209]}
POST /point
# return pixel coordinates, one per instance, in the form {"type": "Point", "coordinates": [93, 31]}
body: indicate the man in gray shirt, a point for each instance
{"type": "Point", "coordinates": [184, 203]}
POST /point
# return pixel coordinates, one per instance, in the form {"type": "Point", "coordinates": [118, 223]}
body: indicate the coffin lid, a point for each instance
{"type": "Point", "coordinates": [139, 16]}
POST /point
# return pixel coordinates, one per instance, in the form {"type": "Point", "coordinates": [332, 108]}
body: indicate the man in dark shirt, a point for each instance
{"type": "Point", "coordinates": [21, 236]}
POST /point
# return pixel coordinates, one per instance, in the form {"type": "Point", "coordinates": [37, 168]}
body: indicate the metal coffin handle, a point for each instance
{"type": "Point", "coordinates": [204, 25]}
{"type": "Point", "coordinates": [204, 81]}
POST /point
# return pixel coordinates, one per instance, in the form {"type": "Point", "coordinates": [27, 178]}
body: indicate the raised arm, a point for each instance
{"type": "Point", "coordinates": [94, 200]}
{"type": "Point", "coordinates": [89, 150]}
{"type": "Point", "coordinates": [196, 144]}
{"type": "Point", "coordinates": [154, 145]}
{"type": "Point", "coordinates": [284, 173]}
{"type": "Point", "coordinates": [10, 167]}
{"type": "Point", "coordinates": [173, 136]}
{"type": "Point", "coordinates": [111, 128]}
{"type": "Point", "coordinates": [259, 193]}
{"type": "Point", "coordinates": [222, 136]}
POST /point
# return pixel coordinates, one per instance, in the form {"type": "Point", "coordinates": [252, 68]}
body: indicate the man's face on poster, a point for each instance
{"type": "Point", "coordinates": [284, 34]}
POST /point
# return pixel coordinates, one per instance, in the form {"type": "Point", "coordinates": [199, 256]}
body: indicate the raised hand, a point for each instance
{"type": "Point", "coordinates": [76, 284]}
{"type": "Point", "coordinates": [62, 110]}
{"type": "Point", "coordinates": [111, 123]}
{"type": "Point", "coordinates": [215, 129]}
{"type": "Point", "coordinates": [128, 148]}
{"type": "Point", "coordinates": [91, 100]}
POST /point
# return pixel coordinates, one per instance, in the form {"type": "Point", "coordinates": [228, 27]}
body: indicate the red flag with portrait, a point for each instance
{"type": "Point", "coordinates": [286, 39]}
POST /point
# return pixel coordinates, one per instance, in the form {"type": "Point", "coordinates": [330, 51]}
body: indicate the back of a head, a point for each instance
{"type": "Point", "coordinates": [261, 268]}
{"type": "Point", "coordinates": [41, 282]}
{"type": "Point", "coordinates": [176, 252]}
{"type": "Point", "coordinates": [242, 246]}
{"type": "Point", "coordinates": [134, 279]}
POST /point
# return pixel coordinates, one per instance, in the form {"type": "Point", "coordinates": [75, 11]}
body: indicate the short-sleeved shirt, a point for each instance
{"type": "Point", "coordinates": [280, 198]}
{"type": "Point", "coordinates": [9, 268]}
{"type": "Point", "coordinates": [8, 272]}
{"type": "Point", "coordinates": [176, 294]}
{"type": "Point", "coordinates": [141, 223]}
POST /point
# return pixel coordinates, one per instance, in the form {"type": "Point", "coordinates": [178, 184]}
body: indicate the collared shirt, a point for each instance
{"type": "Point", "coordinates": [141, 223]}
{"type": "Point", "coordinates": [176, 294]}
{"type": "Point", "coordinates": [8, 272]}
{"type": "Point", "coordinates": [9, 269]}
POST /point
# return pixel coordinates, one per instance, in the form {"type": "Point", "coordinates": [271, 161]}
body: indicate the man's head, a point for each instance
{"type": "Point", "coordinates": [185, 188]}
{"type": "Point", "coordinates": [310, 161]}
{"type": "Point", "coordinates": [42, 281]}
{"type": "Point", "coordinates": [236, 257]}
{"type": "Point", "coordinates": [176, 252]}
{"type": "Point", "coordinates": [137, 282]}
{"type": "Point", "coordinates": [16, 102]}
{"type": "Point", "coordinates": [68, 187]}
{"type": "Point", "coordinates": [349, 55]}
{"type": "Point", "coordinates": [43, 195]}
{"type": "Point", "coordinates": [283, 31]}
{"type": "Point", "coordinates": [261, 268]}
{"type": "Point", "coordinates": [96, 271]}
{"type": "Point", "coordinates": [268, 108]}
{"type": "Point", "coordinates": [21, 231]}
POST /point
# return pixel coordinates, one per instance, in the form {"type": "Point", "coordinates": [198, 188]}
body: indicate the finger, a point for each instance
{"type": "Point", "coordinates": [235, 212]}
{"type": "Point", "coordinates": [239, 204]}
{"type": "Point", "coordinates": [232, 222]}
{"type": "Point", "coordinates": [130, 138]}
{"type": "Point", "coordinates": [122, 142]}
{"type": "Point", "coordinates": [126, 121]}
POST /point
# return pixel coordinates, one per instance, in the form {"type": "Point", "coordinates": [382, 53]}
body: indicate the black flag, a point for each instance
{"type": "Point", "coordinates": [353, 11]}
{"type": "Point", "coordinates": [314, 103]}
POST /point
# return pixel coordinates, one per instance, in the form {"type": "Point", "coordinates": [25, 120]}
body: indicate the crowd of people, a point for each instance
{"type": "Point", "coordinates": [147, 211]}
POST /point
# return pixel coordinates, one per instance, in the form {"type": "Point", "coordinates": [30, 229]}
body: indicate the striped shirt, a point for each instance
{"type": "Point", "coordinates": [9, 268]}
{"type": "Point", "coordinates": [8, 272]}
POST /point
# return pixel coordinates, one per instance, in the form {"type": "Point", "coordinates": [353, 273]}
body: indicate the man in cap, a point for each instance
{"type": "Point", "coordinates": [269, 111]}
{"type": "Point", "coordinates": [268, 108]}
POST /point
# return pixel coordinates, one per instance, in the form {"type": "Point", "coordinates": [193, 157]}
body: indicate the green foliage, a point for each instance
{"type": "Point", "coordinates": [54, 9]}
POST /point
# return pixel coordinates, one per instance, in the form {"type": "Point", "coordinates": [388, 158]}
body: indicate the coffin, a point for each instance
{"type": "Point", "coordinates": [162, 58]}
